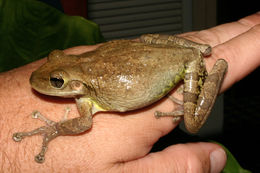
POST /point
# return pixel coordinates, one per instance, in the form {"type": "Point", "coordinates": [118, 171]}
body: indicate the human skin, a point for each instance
{"type": "Point", "coordinates": [119, 142]}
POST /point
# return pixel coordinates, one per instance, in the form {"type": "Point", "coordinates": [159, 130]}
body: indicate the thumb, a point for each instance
{"type": "Point", "coordinates": [190, 157]}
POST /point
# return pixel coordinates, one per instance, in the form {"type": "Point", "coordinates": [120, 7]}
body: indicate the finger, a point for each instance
{"type": "Point", "coordinates": [242, 54]}
{"type": "Point", "coordinates": [191, 157]}
{"type": "Point", "coordinates": [224, 32]}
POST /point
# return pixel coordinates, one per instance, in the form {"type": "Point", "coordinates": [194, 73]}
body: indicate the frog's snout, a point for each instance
{"type": "Point", "coordinates": [37, 81]}
{"type": "Point", "coordinates": [33, 79]}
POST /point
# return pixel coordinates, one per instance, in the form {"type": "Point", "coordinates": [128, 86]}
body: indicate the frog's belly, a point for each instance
{"type": "Point", "coordinates": [140, 94]}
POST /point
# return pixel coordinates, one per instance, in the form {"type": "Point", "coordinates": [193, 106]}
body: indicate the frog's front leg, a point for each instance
{"type": "Point", "coordinates": [64, 127]}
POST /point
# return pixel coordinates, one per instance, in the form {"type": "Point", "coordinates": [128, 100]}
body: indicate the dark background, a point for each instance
{"type": "Point", "coordinates": [242, 100]}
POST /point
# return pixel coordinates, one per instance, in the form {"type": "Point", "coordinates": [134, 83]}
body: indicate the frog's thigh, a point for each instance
{"type": "Point", "coordinates": [206, 99]}
{"type": "Point", "coordinates": [191, 92]}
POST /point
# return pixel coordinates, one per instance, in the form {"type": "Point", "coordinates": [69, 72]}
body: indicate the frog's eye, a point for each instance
{"type": "Point", "coordinates": [57, 79]}
{"type": "Point", "coordinates": [56, 82]}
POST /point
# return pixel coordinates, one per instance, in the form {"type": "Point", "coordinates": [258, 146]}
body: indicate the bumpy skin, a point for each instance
{"type": "Point", "coordinates": [121, 75]}
{"type": "Point", "coordinates": [125, 75]}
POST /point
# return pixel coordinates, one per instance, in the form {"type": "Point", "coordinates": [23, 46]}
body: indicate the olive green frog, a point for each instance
{"type": "Point", "coordinates": [124, 75]}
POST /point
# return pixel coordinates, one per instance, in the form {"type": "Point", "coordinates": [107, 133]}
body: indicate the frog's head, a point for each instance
{"type": "Point", "coordinates": [57, 77]}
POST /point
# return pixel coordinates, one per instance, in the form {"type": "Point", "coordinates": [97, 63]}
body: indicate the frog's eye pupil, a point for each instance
{"type": "Point", "coordinates": [56, 82]}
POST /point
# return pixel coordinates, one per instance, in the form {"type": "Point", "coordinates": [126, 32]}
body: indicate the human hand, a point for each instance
{"type": "Point", "coordinates": [236, 42]}
{"type": "Point", "coordinates": [120, 142]}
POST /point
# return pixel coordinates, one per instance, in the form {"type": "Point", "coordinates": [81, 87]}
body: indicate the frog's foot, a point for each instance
{"type": "Point", "coordinates": [49, 132]}
{"type": "Point", "coordinates": [176, 114]}
{"type": "Point", "coordinates": [38, 115]}
{"type": "Point", "coordinates": [54, 129]}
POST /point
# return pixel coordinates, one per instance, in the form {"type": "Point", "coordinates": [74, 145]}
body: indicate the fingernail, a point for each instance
{"type": "Point", "coordinates": [217, 160]}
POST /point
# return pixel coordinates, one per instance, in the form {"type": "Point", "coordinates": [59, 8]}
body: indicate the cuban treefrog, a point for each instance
{"type": "Point", "coordinates": [123, 75]}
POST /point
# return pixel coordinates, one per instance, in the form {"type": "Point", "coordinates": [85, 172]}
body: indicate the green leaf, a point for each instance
{"type": "Point", "coordinates": [30, 29]}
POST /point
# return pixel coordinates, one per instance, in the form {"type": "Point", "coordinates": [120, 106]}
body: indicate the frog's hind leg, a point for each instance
{"type": "Point", "coordinates": [196, 112]}
{"type": "Point", "coordinates": [176, 113]}
{"type": "Point", "coordinates": [205, 49]}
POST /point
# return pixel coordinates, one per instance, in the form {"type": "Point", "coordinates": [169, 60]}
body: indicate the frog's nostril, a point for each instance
{"type": "Point", "coordinates": [56, 82]}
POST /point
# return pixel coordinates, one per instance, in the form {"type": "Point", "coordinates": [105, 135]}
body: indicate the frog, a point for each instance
{"type": "Point", "coordinates": [124, 75]}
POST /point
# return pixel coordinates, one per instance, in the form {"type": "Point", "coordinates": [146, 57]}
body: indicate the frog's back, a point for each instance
{"type": "Point", "coordinates": [128, 75]}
